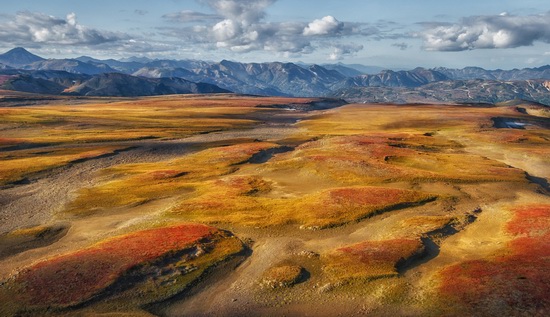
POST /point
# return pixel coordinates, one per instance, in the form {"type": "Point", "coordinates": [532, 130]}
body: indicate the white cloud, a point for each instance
{"type": "Point", "coordinates": [61, 36]}
{"type": "Point", "coordinates": [339, 51]}
{"type": "Point", "coordinates": [326, 25]}
{"type": "Point", "coordinates": [241, 26]}
{"type": "Point", "coordinates": [485, 32]}
{"type": "Point", "coordinates": [235, 25]}
{"type": "Point", "coordinates": [29, 27]}
{"type": "Point", "coordinates": [226, 30]}
{"type": "Point", "coordinates": [246, 12]}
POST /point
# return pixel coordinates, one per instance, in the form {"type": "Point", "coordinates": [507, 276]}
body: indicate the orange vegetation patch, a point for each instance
{"type": "Point", "coordinates": [372, 259]}
{"type": "Point", "coordinates": [76, 277]}
{"type": "Point", "coordinates": [348, 160]}
{"type": "Point", "coordinates": [9, 141]}
{"type": "Point", "coordinates": [282, 276]}
{"type": "Point", "coordinates": [232, 199]}
{"type": "Point", "coordinates": [362, 196]}
{"type": "Point", "coordinates": [342, 205]}
{"type": "Point", "coordinates": [139, 183]}
{"type": "Point", "coordinates": [457, 167]}
{"type": "Point", "coordinates": [244, 185]}
{"type": "Point", "coordinates": [361, 118]}
{"type": "Point", "coordinates": [386, 157]}
{"type": "Point", "coordinates": [513, 284]}
{"type": "Point", "coordinates": [239, 200]}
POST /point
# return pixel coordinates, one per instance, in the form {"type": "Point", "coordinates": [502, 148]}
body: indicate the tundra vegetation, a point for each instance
{"type": "Point", "coordinates": [241, 205]}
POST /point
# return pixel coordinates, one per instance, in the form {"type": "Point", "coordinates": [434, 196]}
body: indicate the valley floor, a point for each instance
{"type": "Point", "coordinates": [228, 205]}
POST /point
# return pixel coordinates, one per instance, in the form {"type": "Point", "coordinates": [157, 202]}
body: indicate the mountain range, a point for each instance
{"type": "Point", "coordinates": [24, 71]}
{"type": "Point", "coordinates": [458, 91]}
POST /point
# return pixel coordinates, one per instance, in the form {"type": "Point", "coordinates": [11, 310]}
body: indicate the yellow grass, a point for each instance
{"type": "Point", "coordinates": [166, 117]}
{"type": "Point", "coordinates": [31, 232]}
{"type": "Point", "coordinates": [138, 183]}
{"type": "Point", "coordinates": [370, 259]}
{"type": "Point", "coordinates": [381, 158]}
{"type": "Point", "coordinates": [282, 276]}
{"type": "Point", "coordinates": [16, 168]}
{"type": "Point", "coordinates": [229, 201]}
{"type": "Point", "coordinates": [358, 119]}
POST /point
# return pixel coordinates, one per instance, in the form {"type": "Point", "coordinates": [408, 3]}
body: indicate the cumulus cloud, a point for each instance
{"type": "Point", "coordinates": [241, 26]}
{"type": "Point", "coordinates": [30, 28]}
{"type": "Point", "coordinates": [487, 32]}
{"type": "Point", "coordinates": [324, 26]}
{"type": "Point", "coordinates": [245, 11]}
{"type": "Point", "coordinates": [47, 34]}
{"type": "Point", "coordinates": [341, 50]}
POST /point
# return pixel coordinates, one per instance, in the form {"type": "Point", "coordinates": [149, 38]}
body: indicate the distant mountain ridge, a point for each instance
{"type": "Point", "coordinates": [116, 84]}
{"type": "Point", "coordinates": [273, 78]}
{"type": "Point", "coordinates": [18, 57]}
{"type": "Point", "coordinates": [388, 78]}
{"type": "Point", "coordinates": [499, 74]}
{"type": "Point", "coordinates": [70, 66]}
{"type": "Point", "coordinates": [454, 91]}
{"type": "Point", "coordinates": [107, 84]}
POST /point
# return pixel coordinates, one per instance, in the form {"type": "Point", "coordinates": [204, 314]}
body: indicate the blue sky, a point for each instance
{"type": "Point", "coordinates": [389, 33]}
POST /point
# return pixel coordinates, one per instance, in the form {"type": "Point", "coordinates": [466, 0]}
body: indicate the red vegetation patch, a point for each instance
{"type": "Point", "coordinates": [518, 283]}
{"type": "Point", "coordinates": [386, 251]}
{"type": "Point", "coordinates": [9, 141]}
{"type": "Point", "coordinates": [341, 205]}
{"type": "Point", "coordinates": [530, 220]}
{"type": "Point", "coordinates": [372, 259]}
{"type": "Point", "coordinates": [243, 185]}
{"type": "Point", "coordinates": [76, 277]}
{"type": "Point", "coordinates": [512, 284]}
{"type": "Point", "coordinates": [361, 159]}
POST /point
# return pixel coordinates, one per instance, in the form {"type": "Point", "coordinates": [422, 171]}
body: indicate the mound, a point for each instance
{"type": "Point", "coordinates": [162, 257]}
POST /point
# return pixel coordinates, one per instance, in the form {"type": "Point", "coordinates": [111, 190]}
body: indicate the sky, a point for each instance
{"type": "Point", "coordinates": [397, 34]}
